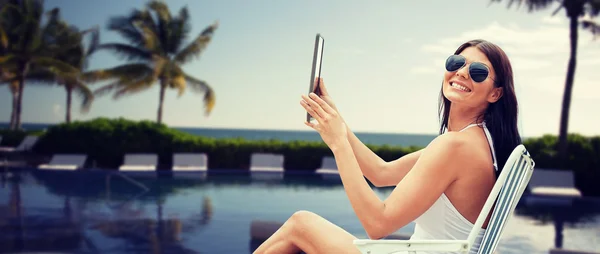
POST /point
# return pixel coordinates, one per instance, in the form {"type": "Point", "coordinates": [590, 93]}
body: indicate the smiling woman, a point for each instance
{"type": "Point", "coordinates": [443, 187]}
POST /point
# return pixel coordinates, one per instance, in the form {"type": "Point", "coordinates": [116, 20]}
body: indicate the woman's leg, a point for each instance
{"type": "Point", "coordinates": [310, 233]}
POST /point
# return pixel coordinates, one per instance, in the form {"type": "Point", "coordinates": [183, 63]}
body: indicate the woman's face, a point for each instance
{"type": "Point", "coordinates": [460, 88]}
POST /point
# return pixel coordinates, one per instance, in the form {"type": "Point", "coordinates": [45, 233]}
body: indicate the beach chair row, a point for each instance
{"type": "Point", "coordinates": [259, 162]}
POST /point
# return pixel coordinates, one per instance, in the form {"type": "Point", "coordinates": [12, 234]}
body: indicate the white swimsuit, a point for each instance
{"type": "Point", "coordinates": [442, 221]}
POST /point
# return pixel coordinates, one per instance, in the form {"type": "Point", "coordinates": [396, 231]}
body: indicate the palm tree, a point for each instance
{"type": "Point", "coordinates": [574, 9]}
{"type": "Point", "coordinates": [29, 45]}
{"type": "Point", "coordinates": [155, 53]}
{"type": "Point", "coordinates": [77, 57]}
{"type": "Point", "coordinates": [5, 74]}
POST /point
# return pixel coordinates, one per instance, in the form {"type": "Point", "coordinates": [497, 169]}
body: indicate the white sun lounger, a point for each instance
{"type": "Point", "coordinates": [27, 143]}
{"type": "Point", "coordinates": [328, 169]}
{"type": "Point", "coordinates": [65, 162]}
{"type": "Point", "coordinates": [328, 166]}
{"type": "Point", "coordinates": [266, 166]}
{"type": "Point", "coordinates": [139, 162]}
{"type": "Point", "coordinates": [552, 187]}
{"type": "Point", "coordinates": [507, 191]}
{"type": "Point", "coordinates": [190, 164]}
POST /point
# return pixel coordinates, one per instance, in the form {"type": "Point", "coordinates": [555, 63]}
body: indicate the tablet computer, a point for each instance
{"type": "Point", "coordinates": [316, 69]}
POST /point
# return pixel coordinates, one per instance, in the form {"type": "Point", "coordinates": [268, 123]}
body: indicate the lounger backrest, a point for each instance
{"type": "Point", "coordinates": [140, 159]}
{"type": "Point", "coordinates": [328, 163]}
{"type": "Point", "coordinates": [504, 197]}
{"type": "Point", "coordinates": [68, 159]}
{"type": "Point", "coordinates": [190, 159]}
{"type": "Point", "coordinates": [27, 143]}
{"type": "Point", "coordinates": [266, 160]}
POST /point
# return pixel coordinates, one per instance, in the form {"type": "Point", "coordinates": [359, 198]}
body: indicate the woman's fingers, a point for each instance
{"type": "Point", "coordinates": [310, 110]}
{"type": "Point", "coordinates": [322, 104]}
{"type": "Point", "coordinates": [315, 106]}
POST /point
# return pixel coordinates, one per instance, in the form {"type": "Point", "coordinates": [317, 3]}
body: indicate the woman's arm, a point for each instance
{"type": "Point", "coordinates": [379, 172]}
{"type": "Point", "coordinates": [434, 171]}
{"type": "Point", "coordinates": [436, 168]}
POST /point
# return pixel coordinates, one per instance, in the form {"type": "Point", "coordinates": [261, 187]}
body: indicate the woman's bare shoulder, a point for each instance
{"type": "Point", "coordinates": [465, 148]}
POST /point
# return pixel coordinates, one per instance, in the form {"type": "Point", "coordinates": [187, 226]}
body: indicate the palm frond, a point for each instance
{"type": "Point", "coordinates": [201, 86]}
{"type": "Point", "coordinates": [41, 76]}
{"type": "Point", "coordinates": [593, 8]}
{"type": "Point", "coordinates": [87, 96]}
{"type": "Point", "coordinates": [164, 19]}
{"type": "Point", "coordinates": [197, 45]}
{"type": "Point", "coordinates": [592, 26]}
{"type": "Point", "coordinates": [135, 86]}
{"type": "Point", "coordinates": [178, 82]}
{"type": "Point", "coordinates": [127, 51]}
{"type": "Point", "coordinates": [94, 40]}
{"type": "Point", "coordinates": [152, 41]}
{"type": "Point", "coordinates": [179, 30]}
{"type": "Point", "coordinates": [3, 37]}
{"type": "Point", "coordinates": [124, 27]}
{"type": "Point", "coordinates": [5, 59]}
{"type": "Point", "coordinates": [56, 66]}
{"type": "Point", "coordinates": [120, 72]}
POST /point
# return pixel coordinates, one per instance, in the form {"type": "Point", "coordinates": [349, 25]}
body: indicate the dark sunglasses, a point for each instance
{"type": "Point", "coordinates": [478, 71]}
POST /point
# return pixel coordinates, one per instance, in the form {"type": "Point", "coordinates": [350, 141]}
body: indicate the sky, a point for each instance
{"type": "Point", "coordinates": [383, 64]}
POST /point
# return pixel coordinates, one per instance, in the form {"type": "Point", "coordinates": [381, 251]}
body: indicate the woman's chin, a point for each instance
{"type": "Point", "coordinates": [455, 96]}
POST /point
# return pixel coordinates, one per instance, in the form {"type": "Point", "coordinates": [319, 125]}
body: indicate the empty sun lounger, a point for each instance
{"type": "Point", "coordinates": [194, 165]}
{"type": "Point", "coordinates": [266, 162]}
{"type": "Point", "coordinates": [27, 143]}
{"type": "Point", "coordinates": [139, 162]}
{"type": "Point", "coordinates": [190, 162]}
{"type": "Point", "coordinates": [266, 166]}
{"type": "Point", "coordinates": [328, 169]}
{"type": "Point", "coordinates": [328, 166]}
{"type": "Point", "coordinates": [552, 187]}
{"type": "Point", "coordinates": [65, 162]}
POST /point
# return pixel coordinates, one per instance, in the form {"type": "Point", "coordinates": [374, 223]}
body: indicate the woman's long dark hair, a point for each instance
{"type": "Point", "coordinates": [500, 117]}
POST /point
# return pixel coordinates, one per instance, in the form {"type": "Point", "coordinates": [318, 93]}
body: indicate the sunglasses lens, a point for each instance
{"type": "Point", "coordinates": [478, 72]}
{"type": "Point", "coordinates": [454, 62]}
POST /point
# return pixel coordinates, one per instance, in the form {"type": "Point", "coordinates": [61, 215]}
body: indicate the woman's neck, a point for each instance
{"type": "Point", "coordinates": [461, 117]}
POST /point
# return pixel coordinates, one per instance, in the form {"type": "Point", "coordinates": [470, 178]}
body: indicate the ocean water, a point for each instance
{"type": "Point", "coordinates": [393, 139]}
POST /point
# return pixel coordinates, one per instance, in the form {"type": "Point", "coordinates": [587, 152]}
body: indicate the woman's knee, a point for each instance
{"type": "Point", "coordinates": [302, 221]}
{"type": "Point", "coordinates": [303, 216]}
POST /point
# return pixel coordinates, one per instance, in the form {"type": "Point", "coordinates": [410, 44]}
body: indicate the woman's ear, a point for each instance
{"type": "Point", "coordinates": [495, 95]}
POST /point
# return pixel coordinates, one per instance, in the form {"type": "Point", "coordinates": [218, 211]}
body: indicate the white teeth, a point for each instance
{"type": "Point", "coordinates": [460, 87]}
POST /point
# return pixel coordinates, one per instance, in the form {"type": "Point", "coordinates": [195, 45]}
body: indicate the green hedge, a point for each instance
{"type": "Point", "coordinates": [105, 141]}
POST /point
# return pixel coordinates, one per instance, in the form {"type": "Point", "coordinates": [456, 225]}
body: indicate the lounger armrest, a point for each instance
{"type": "Point", "coordinates": [391, 246]}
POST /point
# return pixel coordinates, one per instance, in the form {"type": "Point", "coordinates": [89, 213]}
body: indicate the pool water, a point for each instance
{"type": "Point", "coordinates": [99, 212]}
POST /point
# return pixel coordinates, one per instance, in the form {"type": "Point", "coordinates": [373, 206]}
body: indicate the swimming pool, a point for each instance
{"type": "Point", "coordinates": [87, 212]}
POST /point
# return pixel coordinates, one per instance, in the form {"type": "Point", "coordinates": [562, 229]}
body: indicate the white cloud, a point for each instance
{"type": "Point", "coordinates": [554, 20]}
{"type": "Point", "coordinates": [56, 109]}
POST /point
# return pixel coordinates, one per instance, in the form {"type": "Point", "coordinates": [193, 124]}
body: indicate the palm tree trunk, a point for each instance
{"type": "Point", "coordinates": [13, 114]}
{"type": "Point", "coordinates": [161, 99]}
{"type": "Point", "coordinates": [566, 104]}
{"type": "Point", "coordinates": [69, 99]}
{"type": "Point", "coordinates": [24, 69]}
{"type": "Point", "coordinates": [19, 103]}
